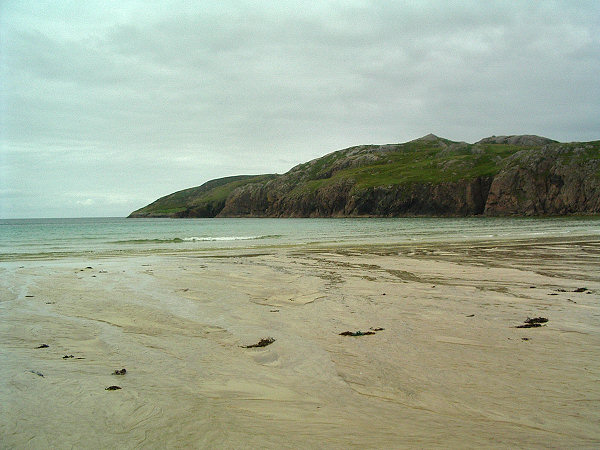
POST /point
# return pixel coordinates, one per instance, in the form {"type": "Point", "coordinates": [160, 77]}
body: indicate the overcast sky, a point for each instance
{"type": "Point", "coordinates": [106, 106]}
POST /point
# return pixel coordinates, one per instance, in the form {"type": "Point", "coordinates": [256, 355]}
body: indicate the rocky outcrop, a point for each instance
{"type": "Point", "coordinates": [522, 139]}
{"type": "Point", "coordinates": [461, 198]}
{"type": "Point", "coordinates": [554, 180]}
{"type": "Point", "coordinates": [430, 176]}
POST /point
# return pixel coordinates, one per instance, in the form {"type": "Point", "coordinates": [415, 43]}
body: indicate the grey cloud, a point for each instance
{"type": "Point", "coordinates": [193, 93]}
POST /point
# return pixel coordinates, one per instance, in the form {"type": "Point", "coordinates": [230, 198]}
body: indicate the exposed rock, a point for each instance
{"type": "Point", "coordinates": [554, 180]}
{"type": "Point", "coordinates": [523, 139]}
{"type": "Point", "coordinates": [428, 138]}
{"type": "Point", "coordinates": [460, 198]}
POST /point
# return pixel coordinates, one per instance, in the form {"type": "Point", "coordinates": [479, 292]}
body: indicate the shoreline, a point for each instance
{"type": "Point", "coordinates": [448, 369]}
{"type": "Point", "coordinates": [487, 241]}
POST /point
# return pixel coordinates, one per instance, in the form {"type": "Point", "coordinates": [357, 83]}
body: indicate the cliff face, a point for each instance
{"type": "Point", "coordinates": [462, 198]}
{"type": "Point", "coordinates": [431, 176]}
{"type": "Point", "coordinates": [556, 180]}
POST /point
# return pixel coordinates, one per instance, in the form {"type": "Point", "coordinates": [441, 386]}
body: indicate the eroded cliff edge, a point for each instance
{"type": "Point", "coordinates": [431, 176]}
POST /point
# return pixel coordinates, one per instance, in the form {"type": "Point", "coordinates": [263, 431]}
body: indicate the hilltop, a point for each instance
{"type": "Point", "coordinates": [431, 176]}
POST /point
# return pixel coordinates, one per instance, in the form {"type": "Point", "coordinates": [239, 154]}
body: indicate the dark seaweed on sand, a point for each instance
{"type": "Point", "coordinates": [356, 333]}
{"type": "Point", "coordinates": [533, 322]}
{"type": "Point", "coordinates": [262, 343]}
{"type": "Point", "coordinates": [362, 333]}
{"type": "Point", "coordinates": [536, 320]}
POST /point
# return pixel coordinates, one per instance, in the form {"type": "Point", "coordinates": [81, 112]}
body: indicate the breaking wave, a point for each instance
{"type": "Point", "coordinates": [197, 239]}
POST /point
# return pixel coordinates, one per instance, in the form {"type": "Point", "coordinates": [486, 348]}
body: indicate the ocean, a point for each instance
{"type": "Point", "coordinates": [97, 237]}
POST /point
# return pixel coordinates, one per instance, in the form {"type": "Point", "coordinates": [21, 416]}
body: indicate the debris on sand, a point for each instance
{"type": "Point", "coordinates": [471, 315]}
{"type": "Point", "coordinates": [113, 388]}
{"type": "Point", "coordinates": [356, 333]}
{"type": "Point", "coordinates": [534, 322]}
{"type": "Point", "coordinates": [120, 372]}
{"type": "Point", "coordinates": [362, 333]}
{"type": "Point", "coordinates": [582, 289]}
{"type": "Point", "coordinates": [43, 346]}
{"type": "Point", "coordinates": [68, 356]}
{"type": "Point", "coordinates": [262, 343]}
{"type": "Point", "coordinates": [39, 374]}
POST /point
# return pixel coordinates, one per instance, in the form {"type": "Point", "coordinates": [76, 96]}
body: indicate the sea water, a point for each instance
{"type": "Point", "coordinates": [55, 238]}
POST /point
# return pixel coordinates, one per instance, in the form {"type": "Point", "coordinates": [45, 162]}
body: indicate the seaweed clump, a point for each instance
{"type": "Point", "coordinates": [356, 333]}
{"type": "Point", "coordinates": [533, 322]}
{"type": "Point", "coordinates": [362, 333]}
{"type": "Point", "coordinates": [262, 343]}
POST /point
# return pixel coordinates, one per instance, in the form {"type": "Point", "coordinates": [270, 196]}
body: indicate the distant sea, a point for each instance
{"type": "Point", "coordinates": [98, 237]}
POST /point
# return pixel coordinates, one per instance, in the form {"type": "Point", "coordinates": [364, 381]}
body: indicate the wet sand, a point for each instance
{"type": "Point", "coordinates": [449, 368]}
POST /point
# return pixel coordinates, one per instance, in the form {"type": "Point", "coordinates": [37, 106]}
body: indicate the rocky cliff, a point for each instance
{"type": "Point", "coordinates": [553, 180]}
{"type": "Point", "coordinates": [431, 176]}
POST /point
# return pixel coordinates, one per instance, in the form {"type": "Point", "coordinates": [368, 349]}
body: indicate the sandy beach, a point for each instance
{"type": "Point", "coordinates": [447, 366]}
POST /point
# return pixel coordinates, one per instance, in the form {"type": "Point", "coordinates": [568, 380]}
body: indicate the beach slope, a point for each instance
{"type": "Point", "coordinates": [435, 355]}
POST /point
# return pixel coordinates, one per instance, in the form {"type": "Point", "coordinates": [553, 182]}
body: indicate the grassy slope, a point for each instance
{"type": "Point", "coordinates": [423, 164]}
{"type": "Point", "coordinates": [417, 162]}
{"type": "Point", "coordinates": [212, 192]}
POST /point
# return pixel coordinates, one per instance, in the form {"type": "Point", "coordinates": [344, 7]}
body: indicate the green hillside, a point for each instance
{"type": "Point", "coordinates": [206, 200]}
{"type": "Point", "coordinates": [427, 176]}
